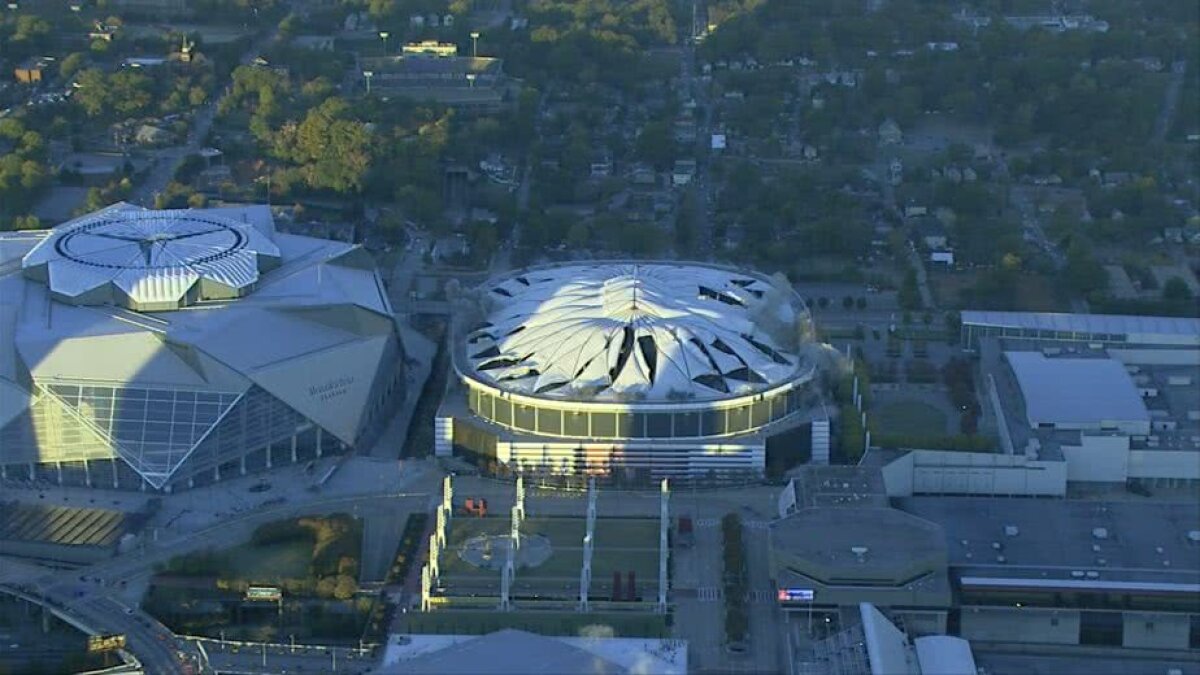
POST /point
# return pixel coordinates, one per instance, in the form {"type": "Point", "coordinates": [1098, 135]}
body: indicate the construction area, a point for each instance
{"type": "Point", "coordinates": [556, 572]}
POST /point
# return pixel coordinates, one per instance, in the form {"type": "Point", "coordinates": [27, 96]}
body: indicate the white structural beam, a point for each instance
{"type": "Point", "coordinates": [664, 524]}
{"type": "Point", "coordinates": [506, 579]}
{"type": "Point", "coordinates": [520, 503]}
{"type": "Point", "coordinates": [447, 497]}
{"type": "Point", "coordinates": [426, 587]}
{"type": "Point", "coordinates": [440, 528]}
{"type": "Point", "coordinates": [585, 574]}
{"type": "Point", "coordinates": [434, 553]}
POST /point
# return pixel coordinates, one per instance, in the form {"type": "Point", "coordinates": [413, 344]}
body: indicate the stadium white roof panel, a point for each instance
{"type": "Point", "coordinates": [152, 258]}
{"type": "Point", "coordinates": [1076, 390]}
{"type": "Point", "coordinates": [944, 655]}
{"type": "Point", "coordinates": [508, 652]}
{"type": "Point", "coordinates": [1086, 323]}
{"type": "Point", "coordinates": [614, 330]}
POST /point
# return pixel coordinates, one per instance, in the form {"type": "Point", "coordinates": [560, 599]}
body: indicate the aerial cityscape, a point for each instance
{"type": "Point", "coordinates": [474, 337]}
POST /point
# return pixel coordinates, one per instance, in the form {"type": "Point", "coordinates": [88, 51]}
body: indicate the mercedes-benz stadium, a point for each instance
{"type": "Point", "coordinates": [657, 369]}
{"type": "Point", "coordinates": [163, 349]}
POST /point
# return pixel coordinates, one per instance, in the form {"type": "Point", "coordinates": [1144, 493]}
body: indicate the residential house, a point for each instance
{"type": "Point", "coordinates": [684, 171]}
{"type": "Point", "coordinates": [889, 133]}
{"type": "Point", "coordinates": [33, 70]}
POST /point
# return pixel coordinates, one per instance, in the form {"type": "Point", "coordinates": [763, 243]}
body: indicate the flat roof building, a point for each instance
{"type": "Point", "coordinates": [1078, 393]}
{"type": "Point", "coordinates": [1104, 329]}
{"type": "Point", "coordinates": [518, 652]}
{"type": "Point", "coordinates": [62, 534]}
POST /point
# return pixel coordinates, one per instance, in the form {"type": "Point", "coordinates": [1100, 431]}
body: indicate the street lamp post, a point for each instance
{"type": "Point", "coordinates": [474, 44]}
{"type": "Point", "coordinates": [384, 35]}
{"type": "Point", "coordinates": [368, 74]}
{"type": "Point", "coordinates": [471, 79]}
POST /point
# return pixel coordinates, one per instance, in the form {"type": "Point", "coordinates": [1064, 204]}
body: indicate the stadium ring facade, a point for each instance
{"type": "Point", "coordinates": [650, 369]}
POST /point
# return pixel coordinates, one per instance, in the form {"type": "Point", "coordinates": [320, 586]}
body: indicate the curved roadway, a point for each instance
{"type": "Point", "coordinates": [86, 600]}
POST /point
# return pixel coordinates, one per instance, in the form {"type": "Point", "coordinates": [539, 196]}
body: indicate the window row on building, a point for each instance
{"type": "Point", "coordinates": [555, 422]}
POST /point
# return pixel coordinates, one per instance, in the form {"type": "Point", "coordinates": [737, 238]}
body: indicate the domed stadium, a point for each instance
{"type": "Point", "coordinates": [165, 349]}
{"type": "Point", "coordinates": [660, 368]}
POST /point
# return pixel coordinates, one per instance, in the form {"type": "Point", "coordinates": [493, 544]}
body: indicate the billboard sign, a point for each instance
{"type": "Point", "coordinates": [795, 595]}
{"type": "Point", "coordinates": [264, 593]}
{"type": "Point", "coordinates": [105, 643]}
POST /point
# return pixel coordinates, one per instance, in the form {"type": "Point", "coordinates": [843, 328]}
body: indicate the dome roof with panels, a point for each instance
{"type": "Point", "coordinates": [625, 331]}
{"type": "Point", "coordinates": [279, 330]}
{"type": "Point", "coordinates": [151, 260]}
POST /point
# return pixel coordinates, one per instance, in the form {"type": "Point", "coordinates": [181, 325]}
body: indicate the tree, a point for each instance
{"type": "Point", "coordinates": [656, 146]}
{"type": "Point", "coordinates": [1176, 290]}
{"type": "Point", "coordinates": [334, 151]}
{"type": "Point", "coordinates": [909, 296]}
{"type": "Point", "coordinates": [345, 587]}
{"type": "Point", "coordinates": [72, 64]}
{"type": "Point", "coordinates": [578, 236]}
{"type": "Point", "coordinates": [1083, 274]}
{"type": "Point", "coordinates": [848, 302]}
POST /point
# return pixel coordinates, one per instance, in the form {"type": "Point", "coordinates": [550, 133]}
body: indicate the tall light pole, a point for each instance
{"type": "Point", "coordinates": [384, 35]}
{"type": "Point", "coordinates": [474, 44]}
{"type": "Point", "coordinates": [471, 79]}
{"type": "Point", "coordinates": [368, 74]}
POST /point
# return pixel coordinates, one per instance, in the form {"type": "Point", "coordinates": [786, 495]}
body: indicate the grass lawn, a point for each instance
{"type": "Point", "coordinates": [472, 622]}
{"type": "Point", "coordinates": [285, 560]}
{"type": "Point", "coordinates": [622, 545]}
{"type": "Point", "coordinates": [914, 418]}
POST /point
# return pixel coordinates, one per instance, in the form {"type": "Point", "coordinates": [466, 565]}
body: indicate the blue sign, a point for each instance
{"type": "Point", "coordinates": [795, 595]}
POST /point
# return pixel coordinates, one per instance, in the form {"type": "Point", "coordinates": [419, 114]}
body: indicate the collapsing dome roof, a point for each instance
{"type": "Point", "coordinates": [618, 331]}
{"type": "Point", "coordinates": [151, 260]}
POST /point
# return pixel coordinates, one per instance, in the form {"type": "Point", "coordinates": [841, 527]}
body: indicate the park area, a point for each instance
{"type": "Point", "coordinates": [908, 417]}
{"type": "Point", "coordinates": [313, 561]}
{"type": "Point", "coordinates": [549, 559]}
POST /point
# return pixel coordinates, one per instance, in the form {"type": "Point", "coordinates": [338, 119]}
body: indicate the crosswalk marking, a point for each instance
{"type": "Point", "coordinates": [707, 522]}
{"type": "Point", "coordinates": [757, 524]}
{"type": "Point", "coordinates": [708, 594]}
{"type": "Point", "coordinates": [762, 596]}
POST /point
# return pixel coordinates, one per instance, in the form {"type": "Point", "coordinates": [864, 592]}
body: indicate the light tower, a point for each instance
{"type": "Point", "coordinates": [384, 35]}
{"type": "Point", "coordinates": [368, 74]}
{"type": "Point", "coordinates": [589, 537]}
{"type": "Point", "coordinates": [664, 520]}
{"type": "Point", "coordinates": [474, 44]}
